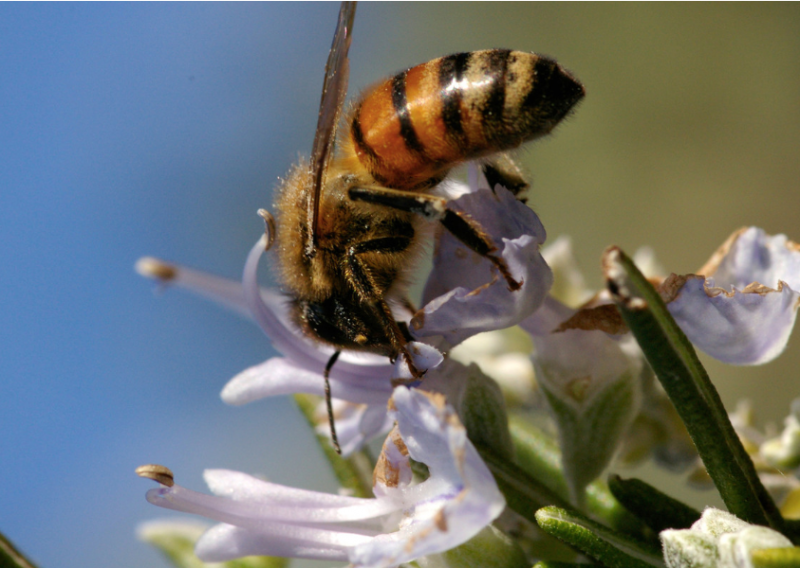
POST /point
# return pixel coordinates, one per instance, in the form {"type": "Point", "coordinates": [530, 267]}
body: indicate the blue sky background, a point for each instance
{"type": "Point", "coordinates": [133, 129]}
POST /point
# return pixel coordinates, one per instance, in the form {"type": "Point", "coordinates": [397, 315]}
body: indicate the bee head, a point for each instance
{"type": "Point", "coordinates": [344, 324]}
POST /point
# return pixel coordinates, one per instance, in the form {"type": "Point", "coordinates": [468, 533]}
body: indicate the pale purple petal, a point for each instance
{"type": "Point", "coordinates": [744, 310]}
{"type": "Point", "coordinates": [453, 504]}
{"type": "Point", "coordinates": [274, 520]}
{"type": "Point", "coordinates": [433, 435]}
{"type": "Point", "coordinates": [261, 515]}
{"type": "Point", "coordinates": [404, 521]}
{"type": "Point", "coordinates": [592, 384]}
{"type": "Point", "coordinates": [270, 309]}
{"type": "Point", "coordinates": [278, 376]}
{"type": "Point", "coordinates": [547, 318]}
{"type": "Point", "coordinates": [356, 424]}
{"type": "Point", "coordinates": [465, 294]}
{"type": "Point", "coordinates": [227, 292]}
{"type": "Point", "coordinates": [425, 358]}
{"type": "Point", "coordinates": [291, 504]}
{"type": "Point", "coordinates": [225, 542]}
{"type": "Point", "coordinates": [274, 321]}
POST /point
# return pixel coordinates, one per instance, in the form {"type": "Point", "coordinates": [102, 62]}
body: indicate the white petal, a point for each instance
{"type": "Point", "coordinates": [569, 286]}
{"type": "Point", "coordinates": [745, 313]}
{"type": "Point", "coordinates": [689, 549]}
{"type": "Point", "coordinates": [784, 450]}
{"type": "Point", "coordinates": [715, 522]}
{"type": "Point", "coordinates": [465, 294]}
{"type": "Point", "coordinates": [735, 549]}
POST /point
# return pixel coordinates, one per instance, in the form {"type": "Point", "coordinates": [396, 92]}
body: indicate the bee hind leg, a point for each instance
{"type": "Point", "coordinates": [502, 170]}
{"type": "Point", "coordinates": [432, 207]}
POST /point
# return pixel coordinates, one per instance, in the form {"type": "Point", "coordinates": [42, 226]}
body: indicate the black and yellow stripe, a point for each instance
{"type": "Point", "coordinates": [410, 129]}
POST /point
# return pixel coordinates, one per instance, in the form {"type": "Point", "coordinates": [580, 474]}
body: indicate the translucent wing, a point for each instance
{"type": "Point", "coordinates": [334, 89]}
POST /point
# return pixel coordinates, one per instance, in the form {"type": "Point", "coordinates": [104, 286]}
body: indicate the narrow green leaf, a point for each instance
{"type": "Point", "coordinates": [686, 382]}
{"type": "Point", "coordinates": [658, 510]}
{"type": "Point", "coordinates": [776, 557]}
{"type": "Point", "coordinates": [609, 547]}
{"type": "Point", "coordinates": [10, 557]}
{"type": "Point", "coordinates": [353, 472]}
{"type": "Point", "coordinates": [539, 455]}
{"type": "Point", "coordinates": [793, 530]}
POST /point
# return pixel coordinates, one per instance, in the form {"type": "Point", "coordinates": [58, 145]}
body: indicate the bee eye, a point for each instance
{"type": "Point", "coordinates": [322, 320]}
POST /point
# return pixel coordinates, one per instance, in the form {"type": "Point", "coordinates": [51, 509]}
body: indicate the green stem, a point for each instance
{"type": "Point", "coordinates": [776, 557]}
{"type": "Point", "coordinates": [10, 557]}
{"type": "Point", "coordinates": [524, 494]}
{"type": "Point", "coordinates": [549, 564]}
{"type": "Point", "coordinates": [686, 382]}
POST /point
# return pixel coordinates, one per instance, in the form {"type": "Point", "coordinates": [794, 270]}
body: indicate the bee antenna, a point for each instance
{"type": "Point", "coordinates": [269, 227]}
{"type": "Point", "coordinates": [329, 403]}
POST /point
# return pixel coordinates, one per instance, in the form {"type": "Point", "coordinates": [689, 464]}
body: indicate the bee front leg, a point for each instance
{"type": "Point", "coordinates": [361, 278]}
{"type": "Point", "coordinates": [459, 224]}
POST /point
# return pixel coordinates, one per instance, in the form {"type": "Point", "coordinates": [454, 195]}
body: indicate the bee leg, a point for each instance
{"type": "Point", "coordinates": [409, 306]}
{"type": "Point", "coordinates": [502, 170]}
{"type": "Point", "coordinates": [460, 225]}
{"type": "Point", "coordinates": [360, 278]}
{"type": "Point", "coordinates": [329, 403]}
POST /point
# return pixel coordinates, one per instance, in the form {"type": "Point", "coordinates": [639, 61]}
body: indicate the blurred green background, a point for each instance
{"type": "Point", "coordinates": [132, 129]}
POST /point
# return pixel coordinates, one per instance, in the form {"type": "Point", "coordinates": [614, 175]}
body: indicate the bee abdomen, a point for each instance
{"type": "Point", "coordinates": [409, 130]}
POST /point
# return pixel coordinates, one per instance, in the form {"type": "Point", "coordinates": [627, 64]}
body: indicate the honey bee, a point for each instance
{"type": "Point", "coordinates": [351, 222]}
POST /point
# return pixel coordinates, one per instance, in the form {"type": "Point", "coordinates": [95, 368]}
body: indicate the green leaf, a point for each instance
{"type": "Point", "coordinates": [590, 432]}
{"type": "Point", "coordinates": [686, 382]}
{"type": "Point", "coordinates": [353, 472]}
{"type": "Point", "coordinates": [776, 557]}
{"type": "Point", "coordinates": [10, 557]}
{"type": "Point", "coordinates": [176, 539]}
{"type": "Point", "coordinates": [658, 510]}
{"type": "Point", "coordinates": [609, 547]}
{"type": "Point", "coordinates": [538, 454]}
